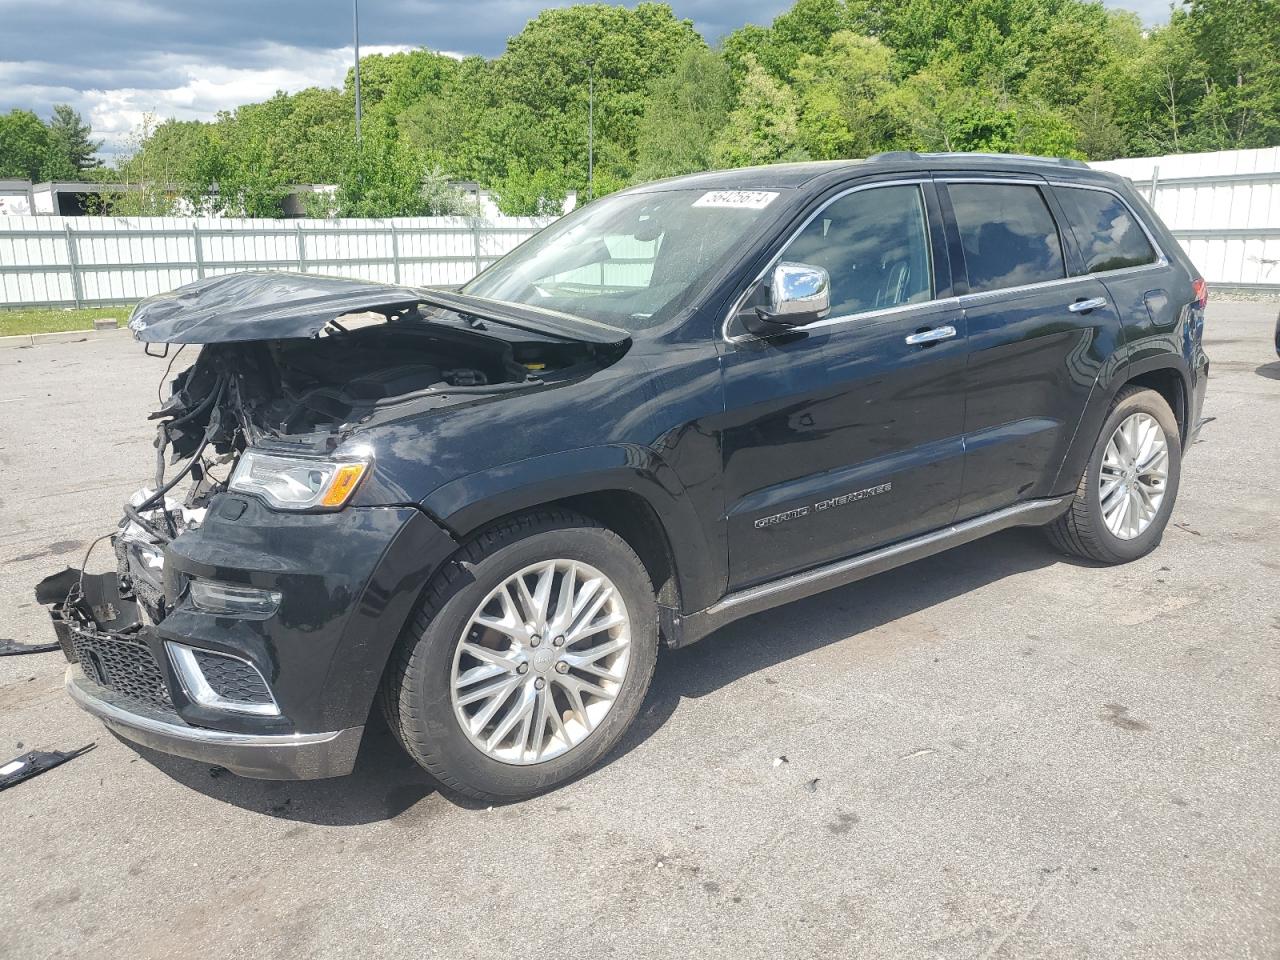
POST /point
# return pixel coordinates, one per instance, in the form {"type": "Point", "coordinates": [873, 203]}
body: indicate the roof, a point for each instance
{"type": "Point", "coordinates": [793, 175]}
{"type": "Point", "coordinates": [771, 177]}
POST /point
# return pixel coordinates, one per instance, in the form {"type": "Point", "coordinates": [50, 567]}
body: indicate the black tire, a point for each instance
{"type": "Point", "coordinates": [1081, 531]}
{"type": "Point", "coordinates": [416, 695]}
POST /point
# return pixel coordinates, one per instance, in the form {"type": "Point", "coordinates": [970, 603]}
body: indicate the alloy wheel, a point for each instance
{"type": "Point", "coordinates": [541, 662]}
{"type": "Point", "coordinates": [1133, 476]}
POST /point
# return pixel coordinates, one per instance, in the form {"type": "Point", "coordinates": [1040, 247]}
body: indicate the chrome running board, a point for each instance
{"type": "Point", "coordinates": [796, 586]}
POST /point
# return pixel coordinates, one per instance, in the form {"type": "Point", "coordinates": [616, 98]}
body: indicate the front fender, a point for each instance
{"type": "Point", "coordinates": [468, 503]}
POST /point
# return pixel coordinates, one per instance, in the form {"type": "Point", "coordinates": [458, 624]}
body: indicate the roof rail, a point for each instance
{"type": "Point", "coordinates": [891, 155]}
{"type": "Point", "coordinates": [1021, 157]}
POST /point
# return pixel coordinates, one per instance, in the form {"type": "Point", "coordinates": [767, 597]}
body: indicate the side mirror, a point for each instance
{"type": "Point", "coordinates": [799, 294]}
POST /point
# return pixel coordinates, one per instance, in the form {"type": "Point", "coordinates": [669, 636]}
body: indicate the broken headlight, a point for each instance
{"type": "Point", "coordinates": [296, 483]}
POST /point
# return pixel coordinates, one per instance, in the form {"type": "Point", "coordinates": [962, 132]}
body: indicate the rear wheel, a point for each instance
{"type": "Point", "coordinates": [529, 658]}
{"type": "Point", "coordinates": [1124, 499]}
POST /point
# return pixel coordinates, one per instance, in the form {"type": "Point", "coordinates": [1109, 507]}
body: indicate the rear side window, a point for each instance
{"type": "Point", "coordinates": [1010, 238]}
{"type": "Point", "coordinates": [1108, 236]}
{"type": "Point", "coordinates": [874, 244]}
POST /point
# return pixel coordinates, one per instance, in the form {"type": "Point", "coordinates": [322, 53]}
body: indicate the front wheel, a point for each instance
{"type": "Point", "coordinates": [529, 658]}
{"type": "Point", "coordinates": [1124, 499]}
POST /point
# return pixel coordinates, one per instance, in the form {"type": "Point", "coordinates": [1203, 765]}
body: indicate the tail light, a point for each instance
{"type": "Point", "coordinates": [1201, 290]}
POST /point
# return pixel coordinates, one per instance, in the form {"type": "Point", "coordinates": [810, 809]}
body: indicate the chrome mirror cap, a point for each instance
{"type": "Point", "coordinates": [799, 293]}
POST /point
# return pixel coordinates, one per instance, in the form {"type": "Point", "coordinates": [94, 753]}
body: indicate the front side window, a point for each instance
{"type": "Point", "coordinates": [1008, 234]}
{"type": "Point", "coordinates": [1108, 235]}
{"type": "Point", "coordinates": [875, 246]}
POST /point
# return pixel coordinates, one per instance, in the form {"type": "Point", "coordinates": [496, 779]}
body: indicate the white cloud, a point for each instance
{"type": "Point", "coordinates": [200, 87]}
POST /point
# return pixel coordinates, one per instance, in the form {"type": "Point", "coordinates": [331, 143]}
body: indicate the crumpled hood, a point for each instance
{"type": "Point", "coordinates": [260, 306]}
{"type": "Point", "coordinates": [243, 307]}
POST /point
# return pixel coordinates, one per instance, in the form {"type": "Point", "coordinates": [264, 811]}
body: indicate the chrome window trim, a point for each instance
{"type": "Point", "coordinates": [1160, 261]}
{"type": "Point", "coordinates": [831, 321]}
{"type": "Point", "coordinates": [876, 314]}
{"type": "Point", "coordinates": [968, 298]}
{"type": "Point", "coordinates": [981, 295]}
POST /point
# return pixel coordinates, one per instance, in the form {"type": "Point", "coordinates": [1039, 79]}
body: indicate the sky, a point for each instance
{"type": "Point", "coordinates": [116, 61]}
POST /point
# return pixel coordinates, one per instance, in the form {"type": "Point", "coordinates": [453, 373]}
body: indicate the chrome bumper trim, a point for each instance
{"type": "Point", "coordinates": [297, 756]}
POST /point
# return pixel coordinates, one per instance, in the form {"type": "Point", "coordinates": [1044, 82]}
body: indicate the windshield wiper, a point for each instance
{"type": "Point", "coordinates": [523, 317]}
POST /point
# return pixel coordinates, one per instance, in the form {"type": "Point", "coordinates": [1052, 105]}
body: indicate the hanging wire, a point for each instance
{"type": "Point", "coordinates": [165, 378]}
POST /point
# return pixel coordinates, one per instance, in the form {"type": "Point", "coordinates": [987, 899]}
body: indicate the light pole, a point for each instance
{"type": "Point", "coordinates": [591, 129]}
{"type": "Point", "coordinates": [355, 30]}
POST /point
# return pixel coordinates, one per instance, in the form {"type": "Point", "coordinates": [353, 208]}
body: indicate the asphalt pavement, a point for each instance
{"type": "Point", "coordinates": [995, 752]}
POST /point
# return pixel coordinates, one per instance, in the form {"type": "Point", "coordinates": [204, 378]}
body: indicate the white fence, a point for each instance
{"type": "Point", "coordinates": [88, 261]}
{"type": "Point", "coordinates": [1224, 208]}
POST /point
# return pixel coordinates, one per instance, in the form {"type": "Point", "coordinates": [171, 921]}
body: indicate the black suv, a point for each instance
{"type": "Point", "coordinates": [480, 511]}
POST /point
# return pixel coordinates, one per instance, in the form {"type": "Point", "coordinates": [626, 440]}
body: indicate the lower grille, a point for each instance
{"type": "Point", "coordinates": [122, 664]}
{"type": "Point", "coordinates": [233, 679]}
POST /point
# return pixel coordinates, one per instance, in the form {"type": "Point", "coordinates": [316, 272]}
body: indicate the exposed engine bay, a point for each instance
{"type": "Point", "coordinates": [344, 355]}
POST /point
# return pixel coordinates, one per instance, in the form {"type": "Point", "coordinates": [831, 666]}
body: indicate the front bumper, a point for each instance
{"type": "Point", "coordinates": [346, 581]}
{"type": "Point", "coordinates": [297, 756]}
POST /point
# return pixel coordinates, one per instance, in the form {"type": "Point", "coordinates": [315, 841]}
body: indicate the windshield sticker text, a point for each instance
{"type": "Point", "coordinates": [741, 199]}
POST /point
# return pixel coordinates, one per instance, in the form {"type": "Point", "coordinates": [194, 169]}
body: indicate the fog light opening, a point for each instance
{"type": "Point", "coordinates": [198, 689]}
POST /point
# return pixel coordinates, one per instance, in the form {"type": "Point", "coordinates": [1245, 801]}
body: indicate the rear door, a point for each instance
{"type": "Point", "coordinates": [1038, 337]}
{"type": "Point", "coordinates": [1114, 246]}
{"type": "Point", "coordinates": [847, 434]}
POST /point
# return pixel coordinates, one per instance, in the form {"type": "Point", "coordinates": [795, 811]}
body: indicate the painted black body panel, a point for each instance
{"type": "Point", "coordinates": [832, 413]}
{"type": "Point", "coordinates": [715, 433]}
{"type": "Point", "coordinates": [347, 581]}
{"type": "Point", "coordinates": [1032, 368]}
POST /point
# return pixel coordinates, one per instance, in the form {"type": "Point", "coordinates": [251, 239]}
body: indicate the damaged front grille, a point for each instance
{"type": "Point", "coordinates": [98, 626]}
{"type": "Point", "coordinates": [123, 664]}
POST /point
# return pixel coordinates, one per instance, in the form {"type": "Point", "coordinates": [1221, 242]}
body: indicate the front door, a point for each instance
{"type": "Point", "coordinates": [847, 434]}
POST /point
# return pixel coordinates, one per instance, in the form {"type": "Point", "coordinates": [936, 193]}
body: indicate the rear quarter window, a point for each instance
{"type": "Point", "coordinates": [1010, 238]}
{"type": "Point", "coordinates": [1105, 230]}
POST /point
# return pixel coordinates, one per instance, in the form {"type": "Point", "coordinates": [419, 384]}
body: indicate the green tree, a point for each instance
{"type": "Point", "coordinates": [540, 85]}
{"type": "Point", "coordinates": [827, 78]}
{"type": "Point", "coordinates": [1111, 43]}
{"type": "Point", "coordinates": [685, 111]}
{"type": "Point", "coordinates": [843, 94]}
{"type": "Point", "coordinates": [529, 193]}
{"type": "Point", "coordinates": [247, 148]}
{"type": "Point", "coordinates": [311, 137]}
{"type": "Point", "coordinates": [392, 83]}
{"type": "Point", "coordinates": [1165, 90]}
{"type": "Point", "coordinates": [937, 110]}
{"type": "Point", "coordinates": [1236, 46]}
{"type": "Point", "coordinates": [29, 151]}
{"type": "Point", "coordinates": [71, 136]}
{"type": "Point", "coordinates": [764, 124]}
{"type": "Point", "coordinates": [159, 169]}
{"type": "Point", "coordinates": [803, 30]}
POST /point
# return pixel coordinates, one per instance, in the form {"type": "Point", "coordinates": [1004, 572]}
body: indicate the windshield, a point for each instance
{"type": "Point", "coordinates": [630, 260]}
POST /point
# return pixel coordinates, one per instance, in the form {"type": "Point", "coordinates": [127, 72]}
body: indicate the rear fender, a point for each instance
{"type": "Point", "coordinates": [1100, 401]}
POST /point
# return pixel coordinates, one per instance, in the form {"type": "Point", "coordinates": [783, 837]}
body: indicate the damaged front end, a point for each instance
{"type": "Point", "coordinates": [241, 575]}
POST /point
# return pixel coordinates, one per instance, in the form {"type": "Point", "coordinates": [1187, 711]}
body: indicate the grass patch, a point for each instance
{"type": "Point", "coordinates": [14, 322]}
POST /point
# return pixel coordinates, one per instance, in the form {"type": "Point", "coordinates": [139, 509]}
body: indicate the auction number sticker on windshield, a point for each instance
{"type": "Point", "coordinates": [742, 199]}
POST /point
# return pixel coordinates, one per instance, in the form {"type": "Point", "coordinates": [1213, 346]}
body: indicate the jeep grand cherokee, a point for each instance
{"type": "Point", "coordinates": [684, 403]}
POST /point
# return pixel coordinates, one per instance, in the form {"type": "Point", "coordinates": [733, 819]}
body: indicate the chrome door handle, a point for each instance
{"type": "Point", "coordinates": [932, 336]}
{"type": "Point", "coordinates": [1082, 305]}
